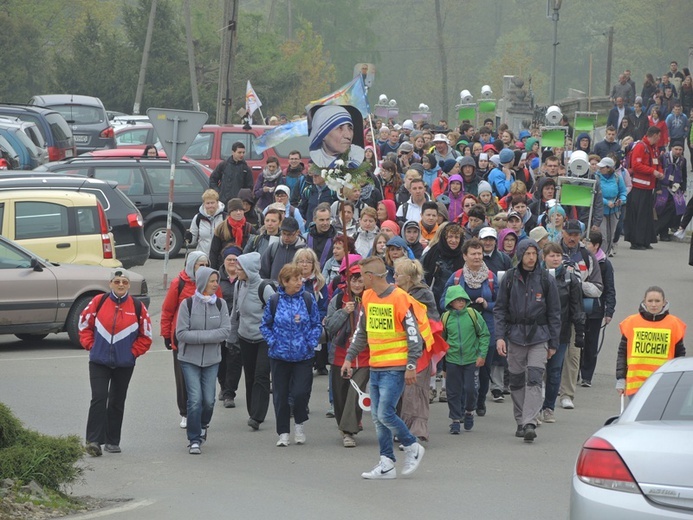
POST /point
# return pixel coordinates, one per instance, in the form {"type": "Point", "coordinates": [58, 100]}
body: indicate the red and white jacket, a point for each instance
{"type": "Point", "coordinates": [644, 162]}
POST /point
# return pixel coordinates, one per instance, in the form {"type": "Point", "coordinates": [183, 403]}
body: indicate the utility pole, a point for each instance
{"type": "Point", "coordinates": [145, 59]}
{"type": "Point", "coordinates": [443, 59]}
{"type": "Point", "coordinates": [555, 5]}
{"type": "Point", "coordinates": [191, 57]}
{"type": "Point", "coordinates": [609, 56]}
{"type": "Point", "coordinates": [226, 61]}
{"type": "Point", "coordinates": [291, 20]}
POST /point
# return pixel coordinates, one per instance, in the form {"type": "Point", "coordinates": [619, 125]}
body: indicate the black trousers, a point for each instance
{"type": "Point", "coordinates": [256, 368]}
{"type": "Point", "coordinates": [230, 370]}
{"type": "Point", "coordinates": [109, 387]}
{"type": "Point", "coordinates": [181, 392]}
{"type": "Point", "coordinates": [588, 355]}
{"type": "Point", "coordinates": [295, 380]}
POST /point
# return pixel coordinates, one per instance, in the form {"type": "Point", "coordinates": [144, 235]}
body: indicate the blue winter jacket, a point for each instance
{"type": "Point", "coordinates": [613, 187]}
{"type": "Point", "coordinates": [293, 332]}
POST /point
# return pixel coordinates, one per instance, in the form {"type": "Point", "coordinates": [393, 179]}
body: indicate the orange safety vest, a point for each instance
{"type": "Point", "coordinates": [387, 338]}
{"type": "Point", "coordinates": [650, 345]}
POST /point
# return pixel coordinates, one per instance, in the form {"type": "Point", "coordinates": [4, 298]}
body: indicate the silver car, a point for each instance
{"type": "Point", "coordinates": [640, 465]}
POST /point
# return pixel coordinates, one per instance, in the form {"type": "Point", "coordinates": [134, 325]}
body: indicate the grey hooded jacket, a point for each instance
{"type": "Point", "coordinates": [201, 328]}
{"type": "Point", "coordinates": [246, 314]}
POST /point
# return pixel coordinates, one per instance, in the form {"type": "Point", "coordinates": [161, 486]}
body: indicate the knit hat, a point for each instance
{"type": "Point", "coordinates": [466, 161]}
{"type": "Point", "coordinates": [483, 156]}
{"type": "Point", "coordinates": [443, 211]}
{"type": "Point", "coordinates": [391, 225]}
{"type": "Point", "coordinates": [234, 204]}
{"type": "Point", "coordinates": [448, 165]}
{"type": "Point", "coordinates": [406, 147]}
{"type": "Point", "coordinates": [676, 142]}
{"type": "Point", "coordinates": [418, 167]}
{"type": "Point", "coordinates": [523, 134]}
{"type": "Point", "coordinates": [506, 156]}
{"type": "Point", "coordinates": [408, 125]}
{"type": "Point", "coordinates": [326, 119]}
{"type": "Point", "coordinates": [495, 159]}
{"type": "Point", "coordinates": [484, 187]}
{"type": "Point", "coordinates": [246, 195]}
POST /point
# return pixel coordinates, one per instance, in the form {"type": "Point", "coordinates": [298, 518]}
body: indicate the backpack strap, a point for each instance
{"type": "Point", "coordinates": [261, 291]}
{"type": "Point", "coordinates": [189, 302]}
{"type": "Point", "coordinates": [490, 280]}
{"type": "Point", "coordinates": [472, 314]}
{"type": "Point", "coordinates": [458, 276]}
{"type": "Point", "coordinates": [444, 319]}
{"type": "Point", "coordinates": [181, 285]}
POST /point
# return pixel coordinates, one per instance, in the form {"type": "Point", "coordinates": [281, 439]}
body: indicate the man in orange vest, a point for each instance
{"type": "Point", "coordinates": [396, 329]}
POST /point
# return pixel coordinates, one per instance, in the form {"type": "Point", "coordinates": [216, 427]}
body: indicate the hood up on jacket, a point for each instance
{"type": "Point", "coordinates": [193, 258]}
{"type": "Point", "coordinates": [455, 292]}
{"type": "Point", "coordinates": [501, 238]}
{"type": "Point", "coordinates": [583, 135]}
{"type": "Point", "coordinates": [391, 209]}
{"type": "Point", "coordinates": [250, 263]}
{"type": "Point", "coordinates": [402, 244]}
{"type": "Point", "coordinates": [202, 277]}
{"type": "Point", "coordinates": [523, 246]}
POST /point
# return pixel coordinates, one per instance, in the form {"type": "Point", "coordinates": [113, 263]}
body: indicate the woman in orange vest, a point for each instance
{"type": "Point", "coordinates": [649, 339]}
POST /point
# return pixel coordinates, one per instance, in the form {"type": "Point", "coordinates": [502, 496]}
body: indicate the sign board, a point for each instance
{"type": "Point", "coordinates": [188, 125]}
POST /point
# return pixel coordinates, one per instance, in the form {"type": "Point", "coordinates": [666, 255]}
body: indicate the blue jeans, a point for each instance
{"type": "Point", "coordinates": [554, 366]}
{"type": "Point", "coordinates": [201, 383]}
{"type": "Point", "coordinates": [386, 389]}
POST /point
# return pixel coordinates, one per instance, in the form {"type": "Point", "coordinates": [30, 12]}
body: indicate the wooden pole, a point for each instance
{"type": "Point", "coordinates": [191, 56]}
{"type": "Point", "coordinates": [589, 87]}
{"type": "Point", "coordinates": [145, 59]}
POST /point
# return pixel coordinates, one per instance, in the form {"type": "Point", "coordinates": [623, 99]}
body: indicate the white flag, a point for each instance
{"type": "Point", "coordinates": [252, 102]}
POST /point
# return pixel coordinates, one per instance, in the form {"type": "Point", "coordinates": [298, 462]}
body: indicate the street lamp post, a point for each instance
{"type": "Point", "coordinates": [552, 8]}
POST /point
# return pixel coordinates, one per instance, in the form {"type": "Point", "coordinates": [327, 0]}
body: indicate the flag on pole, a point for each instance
{"type": "Point", "coordinates": [252, 102]}
{"type": "Point", "coordinates": [353, 93]}
{"type": "Point", "coordinates": [279, 134]}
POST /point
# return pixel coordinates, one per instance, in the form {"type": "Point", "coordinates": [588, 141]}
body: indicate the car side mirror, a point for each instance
{"type": "Point", "coordinates": [36, 265]}
{"type": "Point", "coordinates": [611, 420]}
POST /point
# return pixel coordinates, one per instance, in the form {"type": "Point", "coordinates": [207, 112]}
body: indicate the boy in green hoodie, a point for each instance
{"type": "Point", "coordinates": [467, 334]}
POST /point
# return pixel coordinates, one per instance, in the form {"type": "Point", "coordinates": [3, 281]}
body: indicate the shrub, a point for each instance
{"type": "Point", "coordinates": [10, 427]}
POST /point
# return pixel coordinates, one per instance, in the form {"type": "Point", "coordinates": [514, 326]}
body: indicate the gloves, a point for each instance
{"type": "Point", "coordinates": [188, 237]}
{"type": "Point", "coordinates": [167, 343]}
{"type": "Point", "coordinates": [620, 384]}
{"type": "Point", "coordinates": [579, 340]}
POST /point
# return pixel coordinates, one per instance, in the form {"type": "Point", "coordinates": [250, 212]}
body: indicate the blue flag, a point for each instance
{"type": "Point", "coordinates": [353, 93]}
{"type": "Point", "coordinates": [280, 133]}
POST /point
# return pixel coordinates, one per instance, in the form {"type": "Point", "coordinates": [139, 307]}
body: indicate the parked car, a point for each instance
{"type": "Point", "coordinates": [39, 297]}
{"type": "Point", "coordinates": [9, 156]}
{"type": "Point", "coordinates": [87, 117]}
{"type": "Point", "coordinates": [145, 181]}
{"type": "Point", "coordinates": [53, 127]}
{"type": "Point", "coordinates": [135, 136]}
{"type": "Point", "coordinates": [62, 226]}
{"type": "Point", "coordinates": [26, 151]}
{"type": "Point", "coordinates": [32, 132]}
{"type": "Point", "coordinates": [640, 465]}
{"type": "Point", "coordinates": [213, 145]}
{"type": "Point", "coordinates": [125, 119]}
{"type": "Point", "coordinates": [126, 222]}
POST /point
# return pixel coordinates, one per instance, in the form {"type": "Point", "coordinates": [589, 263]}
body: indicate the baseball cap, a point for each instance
{"type": "Point", "coordinates": [572, 226]}
{"type": "Point", "coordinates": [289, 224]}
{"type": "Point", "coordinates": [606, 162]}
{"type": "Point", "coordinates": [120, 273]}
{"type": "Point", "coordinates": [514, 214]}
{"type": "Point", "coordinates": [486, 232]}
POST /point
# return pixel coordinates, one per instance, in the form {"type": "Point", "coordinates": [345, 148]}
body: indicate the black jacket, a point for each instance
{"type": "Point", "coordinates": [570, 293]}
{"type": "Point", "coordinates": [229, 177]}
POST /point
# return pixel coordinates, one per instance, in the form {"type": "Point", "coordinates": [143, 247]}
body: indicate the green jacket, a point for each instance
{"type": "Point", "coordinates": [465, 331]}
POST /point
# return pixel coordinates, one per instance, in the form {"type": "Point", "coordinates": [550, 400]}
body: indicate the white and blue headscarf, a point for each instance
{"type": "Point", "coordinates": [326, 119]}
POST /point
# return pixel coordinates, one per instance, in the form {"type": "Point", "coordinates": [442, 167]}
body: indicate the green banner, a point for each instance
{"type": "Point", "coordinates": [584, 124]}
{"type": "Point", "coordinates": [553, 138]}
{"type": "Point", "coordinates": [576, 195]}
{"type": "Point", "coordinates": [467, 113]}
{"type": "Point", "coordinates": [487, 106]}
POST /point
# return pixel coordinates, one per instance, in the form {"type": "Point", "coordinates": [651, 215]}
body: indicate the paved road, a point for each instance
{"type": "Point", "coordinates": [486, 473]}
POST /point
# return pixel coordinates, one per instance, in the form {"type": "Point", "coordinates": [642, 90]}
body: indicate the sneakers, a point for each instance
{"type": "Point", "coordinates": [330, 413]}
{"type": "Point", "coordinates": [520, 432]}
{"type": "Point", "coordinates": [194, 448]}
{"type": "Point", "coordinates": [299, 434]}
{"type": "Point", "coordinates": [455, 428]}
{"type": "Point", "coordinates": [93, 449]}
{"type": "Point", "coordinates": [384, 470]}
{"type": "Point", "coordinates": [567, 403]}
{"type": "Point", "coordinates": [229, 403]}
{"type": "Point", "coordinates": [348, 441]}
{"type": "Point", "coordinates": [183, 422]}
{"type": "Point", "coordinates": [112, 448]}
{"type": "Point", "coordinates": [530, 433]}
{"type": "Point", "coordinates": [548, 416]}
{"type": "Point", "coordinates": [432, 394]}
{"type": "Point", "coordinates": [412, 458]}
{"type": "Point", "coordinates": [539, 418]}
{"type": "Point", "coordinates": [497, 396]}
{"type": "Point", "coordinates": [253, 424]}
{"type": "Point", "coordinates": [586, 384]}
{"type": "Point", "coordinates": [468, 421]}
{"type": "Point", "coordinates": [443, 396]}
{"type": "Point", "coordinates": [481, 411]}
{"type": "Point", "coordinates": [203, 435]}
{"type": "Point", "coordinates": [283, 441]}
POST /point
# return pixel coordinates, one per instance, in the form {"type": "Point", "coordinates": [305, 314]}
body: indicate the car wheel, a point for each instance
{"type": "Point", "coordinates": [72, 322]}
{"type": "Point", "coordinates": [31, 337]}
{"type": "Point", "coordinates": [155, 234]}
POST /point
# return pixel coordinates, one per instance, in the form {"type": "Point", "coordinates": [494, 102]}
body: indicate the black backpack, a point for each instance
{"type": "Point", "coordinates": [138, 306]}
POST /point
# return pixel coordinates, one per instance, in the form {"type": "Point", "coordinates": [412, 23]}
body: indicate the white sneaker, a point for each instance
{"type": "Point", "coordinates": [412, 458]}
{"type": "Point", "coordinates": [299, 434]}
{"type": "Point", "coordinates": [385, 469]}
{"type": "Point", "coordinates": [183, 422]}
{"type": "Point", "coordinates": [567, 403]}
{"type": "Point", "coordinates": [283, 440]}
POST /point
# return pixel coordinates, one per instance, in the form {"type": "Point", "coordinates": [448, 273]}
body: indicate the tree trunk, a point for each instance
{"type": "Point", "coordinates": [443, 60]}
{"type": "Point", "coordinates": [145, 59]}
{"type": "Point", "coordinates": [191, 57]}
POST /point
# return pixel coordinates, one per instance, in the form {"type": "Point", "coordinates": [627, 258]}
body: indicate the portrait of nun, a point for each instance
{"type": "Point", "coordinates": [335, 130]}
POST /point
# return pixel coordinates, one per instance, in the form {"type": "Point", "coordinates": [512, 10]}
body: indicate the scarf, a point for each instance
{"type": "Point", "coordinates": [366, 191]}
{"type": "Point", "coordinates": [237, 228]}
{"type": "Point", "coordinates": [206, 299]}
{"type": "Point", "coordinates": [474, 279]}
{"type": "Point", "coordinates": [270, 177]}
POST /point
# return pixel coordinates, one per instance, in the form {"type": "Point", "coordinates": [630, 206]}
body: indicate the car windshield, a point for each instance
{"type": "Point", "coordinates": [671, 399]}
{"type": "Point", "coordinates": [80, 114]}
{"type": "Point", "coordinates": [11, 258]}
{"type": "Point", "coordinates": [59, 128]}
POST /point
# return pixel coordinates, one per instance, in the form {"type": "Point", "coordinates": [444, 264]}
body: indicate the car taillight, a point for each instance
{"type": "Point", "coordinates": [135, 220]}
{"type": "Point", "coordinates": [106, 243]}
{"type": "Point", "coordinates": [55, 153]}
{"type": "Point", "coordinates": [599, 464]}
{"type": "Point", "coordinates": [107, 133]}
